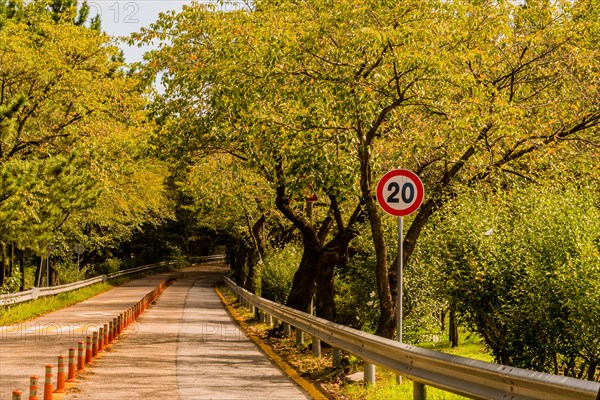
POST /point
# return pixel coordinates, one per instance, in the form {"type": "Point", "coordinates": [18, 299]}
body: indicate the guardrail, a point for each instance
{"type": "Point", "coordinates": [467, 377]}
{"type": "Point", "coordinates": [34, 293]}
{"type": "Point", "coordinates": [208, 259]}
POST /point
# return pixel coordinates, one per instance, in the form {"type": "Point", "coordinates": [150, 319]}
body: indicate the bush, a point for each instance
{"type": "Point", "coordinates": [68, 272]}
{"type": "Point", "coordinates": [109, 266]}
{"type": "Point", "coordinates": [278, 271]}
{"type": "Point", "coordinates": [181, 261]}
{"type": "Point", "coordinates": [11, 283]}
{"type": "Point", "coordinates": [356, 294]}
{"type": "Point", "coordinates": [532, 288]}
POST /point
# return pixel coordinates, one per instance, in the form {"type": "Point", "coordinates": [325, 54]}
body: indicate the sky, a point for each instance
{"type": "Point", "coordinates": [120, 18]}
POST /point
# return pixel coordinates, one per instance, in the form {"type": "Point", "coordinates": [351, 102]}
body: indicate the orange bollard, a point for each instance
{"type": "Point", "coordinates": [105, 335]}
{"type": "Point", "coordinates": [72, 365]}
{"type": "Point", "coordinates": [100, 339]}
{"type": "Point", "coordinates": [60, 376]}
{"type": "Point", "coordinates": [33, 387]}
{"type": "Point", "coordinates": [48, 383]}
{"type": "Point", "coordinates": [16, 395]}
{"type": "Point", "coordinates": [114, 329]}
{"type": "Point", "coordinates": [88, 350]}
{"type": "Point", "coordinates": [110, 332]}
{"type": "Point", "coordinates": [94, 344]}
{"type": "Point", "coordinates": [80, 357]}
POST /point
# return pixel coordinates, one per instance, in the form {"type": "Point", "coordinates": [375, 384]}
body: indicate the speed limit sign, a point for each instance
{"type": "Point", "coordinates": [400, 192]}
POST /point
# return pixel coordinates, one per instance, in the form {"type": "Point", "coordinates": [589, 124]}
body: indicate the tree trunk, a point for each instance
{"type": "Point", "coordinates": [591, 372]}
{"type": "Point", "coordinates": [257, 254]}
{"type": "Point", "coordinates": [453, 328]}
{"type": "Point", "coordinates": [238, 263]}
{"type": "Point", "coordinates": [251, 278]}
{"type": "Point", "coordinates": [303, 286]}
{"type": "Point", "coordinates": [11, 260]}
{"type": "Point", "coordinates": [387, 322]}
{"type": "Point", "coordinates": [22, 269]}
{"type": "Point", "coordinates": [5, 264]}
{"type": "Point", "coordinates": [325, 307]}
{"type": "Point", "coordinates": [38, 273]}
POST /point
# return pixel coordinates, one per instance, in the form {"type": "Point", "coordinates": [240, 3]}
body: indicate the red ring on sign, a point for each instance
{"type": "Point", "coordinates": [420, 191]}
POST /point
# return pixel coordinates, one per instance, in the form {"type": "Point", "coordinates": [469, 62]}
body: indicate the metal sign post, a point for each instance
{"type": "Point", "coordinates": [400, 193]}
{"type": "Point", "coordinates": [399, 275]}
{"type": "Point", "coordinates": [79, 249]}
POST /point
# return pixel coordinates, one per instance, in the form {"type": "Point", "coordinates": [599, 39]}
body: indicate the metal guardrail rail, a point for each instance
{"type": "Point", "coordinates": [467, 377]}
{"type": "Point", "coordinates": [34, 293]}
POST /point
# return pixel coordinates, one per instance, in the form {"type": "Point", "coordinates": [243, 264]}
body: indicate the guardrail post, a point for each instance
{"type": "Point", "coordinates": [316, 346]}
{"type": "Point", "coordinates": [337, 357]}
{"type": "Point", "coordinates": [419, 391]}
{"type": "Point", "coordinates": [369, 377]}
{"type": "Point", "coordinates": [299, 337]}
{"type": "Point", "coordinates": [287, 329]}
{"type": "Point", "coordinates": [268, 319]}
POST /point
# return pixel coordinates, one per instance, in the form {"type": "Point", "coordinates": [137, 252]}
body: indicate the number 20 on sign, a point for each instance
{"type": "Point", "coordinates": [400, 192]}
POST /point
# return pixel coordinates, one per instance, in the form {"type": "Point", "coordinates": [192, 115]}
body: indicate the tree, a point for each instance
{"type": "Point", "coordinates": [64, 107]}
{"type": "Point", "coordinates": [530, 289]}
{"type": "Point", "coordinates": [270, 146]}
{"type": "Point", "coordinates": [330, 97]}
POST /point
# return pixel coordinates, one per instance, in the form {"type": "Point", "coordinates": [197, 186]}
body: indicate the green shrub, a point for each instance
{"type": "Point", "coordinates": [356, 297]}
{"type": "Point", "coordinates": [68, 272]}
{"type": "Point", "coordinates": [181, 261]}
{"type": "Point", "coordinates": [109, 266]}
{"type": "Point", "coordinates": [277, 272]}
{"type": "Point", "coordinates": [532, 287]}
{"type": "Point", "coordinates": [12, 283]}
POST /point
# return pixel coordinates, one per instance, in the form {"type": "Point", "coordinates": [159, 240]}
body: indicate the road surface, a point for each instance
{"type": "Point", "coordinates": [183, 347]}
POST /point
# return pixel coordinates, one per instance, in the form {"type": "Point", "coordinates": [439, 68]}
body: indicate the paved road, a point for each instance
{"type": "Point", "coordinates": [26, 348]}
{"type": "Point", "coordinates": [184, 347]}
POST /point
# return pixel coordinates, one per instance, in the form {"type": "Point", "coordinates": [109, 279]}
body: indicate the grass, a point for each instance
{"type": "Point", "coordinates": [32, 309]}
{"type": "Point", "coordinates": [23, 312]}
{"type": "Point", "coordinates": [333, 381]}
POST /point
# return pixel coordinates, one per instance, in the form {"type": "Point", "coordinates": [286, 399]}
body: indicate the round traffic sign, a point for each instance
{"type": "Point", "coordinates": [79, 248]}
{"type": "Point", "coordinates": [400, 192]}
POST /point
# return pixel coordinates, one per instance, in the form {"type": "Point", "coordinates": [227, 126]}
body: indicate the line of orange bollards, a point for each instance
{"type": "Point", "coordinates": [98, 342]}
